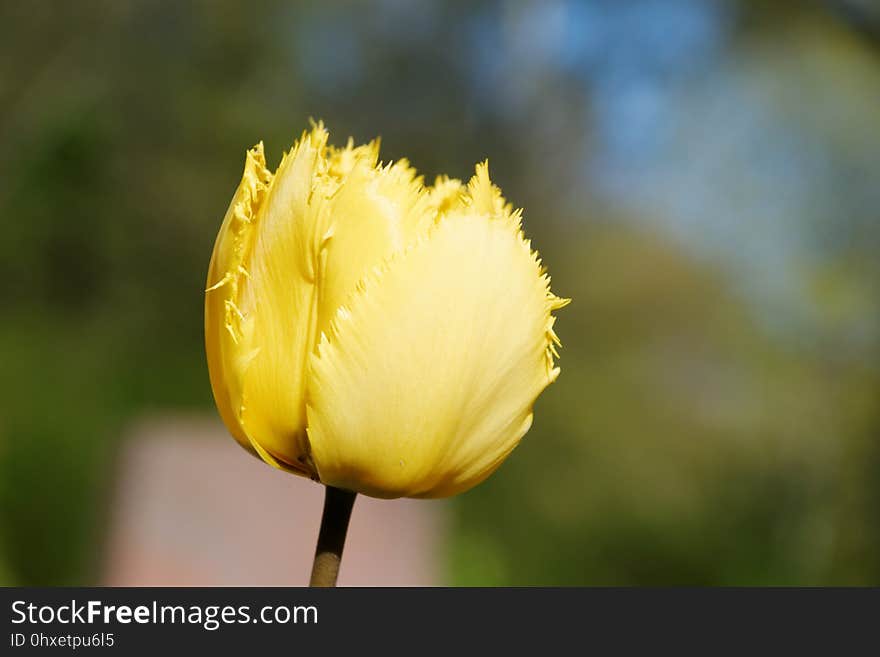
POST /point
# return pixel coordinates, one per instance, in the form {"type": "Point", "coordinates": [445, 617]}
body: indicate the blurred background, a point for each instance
{"type": "Point", "coordinates": [701, 177]}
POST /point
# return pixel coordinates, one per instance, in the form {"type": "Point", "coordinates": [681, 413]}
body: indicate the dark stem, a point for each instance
{"type": "Point", "coordinates": [334, 526]}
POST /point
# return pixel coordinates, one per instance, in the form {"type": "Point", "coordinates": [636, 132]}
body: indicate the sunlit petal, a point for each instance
{"type": "Point", "coordinates": [427, 381]}
{"type": "Point", "coordinates": [225, 274]}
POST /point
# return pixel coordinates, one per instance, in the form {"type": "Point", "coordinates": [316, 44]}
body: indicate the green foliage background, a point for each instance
{"type": "Point", "coordinates": [694, 437]}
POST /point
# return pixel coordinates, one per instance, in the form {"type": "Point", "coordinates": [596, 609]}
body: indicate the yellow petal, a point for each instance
{"type": "Point", "coordinates": [277, 304]}
{"type": "Point", "coordinates": [375, 213]}
{"type": "Point", "coordinates": [260, 309]}
{"type": "Point", "coordinates": [343, 160]}
{"type": "Point", "coordinates": [446, 195]}
{"type": "Point", "coordinates": [485, 197]}
{"type": "Point", "coordinates": [224, 275]}
{"type": "Point", "coordinates": [426, 382]}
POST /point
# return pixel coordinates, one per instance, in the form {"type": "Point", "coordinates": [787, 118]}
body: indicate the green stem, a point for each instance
{"type": "Point", "coordinates": [338, 504]}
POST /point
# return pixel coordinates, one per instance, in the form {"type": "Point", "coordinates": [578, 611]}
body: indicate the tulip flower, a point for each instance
{"type": "Point", "coordinates": [372, 333]}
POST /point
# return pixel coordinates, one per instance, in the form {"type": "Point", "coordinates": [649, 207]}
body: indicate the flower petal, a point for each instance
{"type": "Point", "coordinates": [426, 382]}
{"type": "Point", "coordinates": [276, 305]}
{"type": "Point", "coordinates": [224, 275]}
{"type": "Point", "coordinates": [375, 213]}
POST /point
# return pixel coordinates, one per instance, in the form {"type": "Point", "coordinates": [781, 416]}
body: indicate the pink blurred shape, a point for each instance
{"type": "Point", "coordinates": [191, 508]}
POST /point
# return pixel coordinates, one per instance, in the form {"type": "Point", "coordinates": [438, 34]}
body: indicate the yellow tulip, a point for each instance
{"type": "Point", "coordinates": [372, 333]}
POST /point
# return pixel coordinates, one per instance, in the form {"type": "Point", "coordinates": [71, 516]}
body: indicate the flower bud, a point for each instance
{"type": "Point", "coordinates": [373, 333]}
